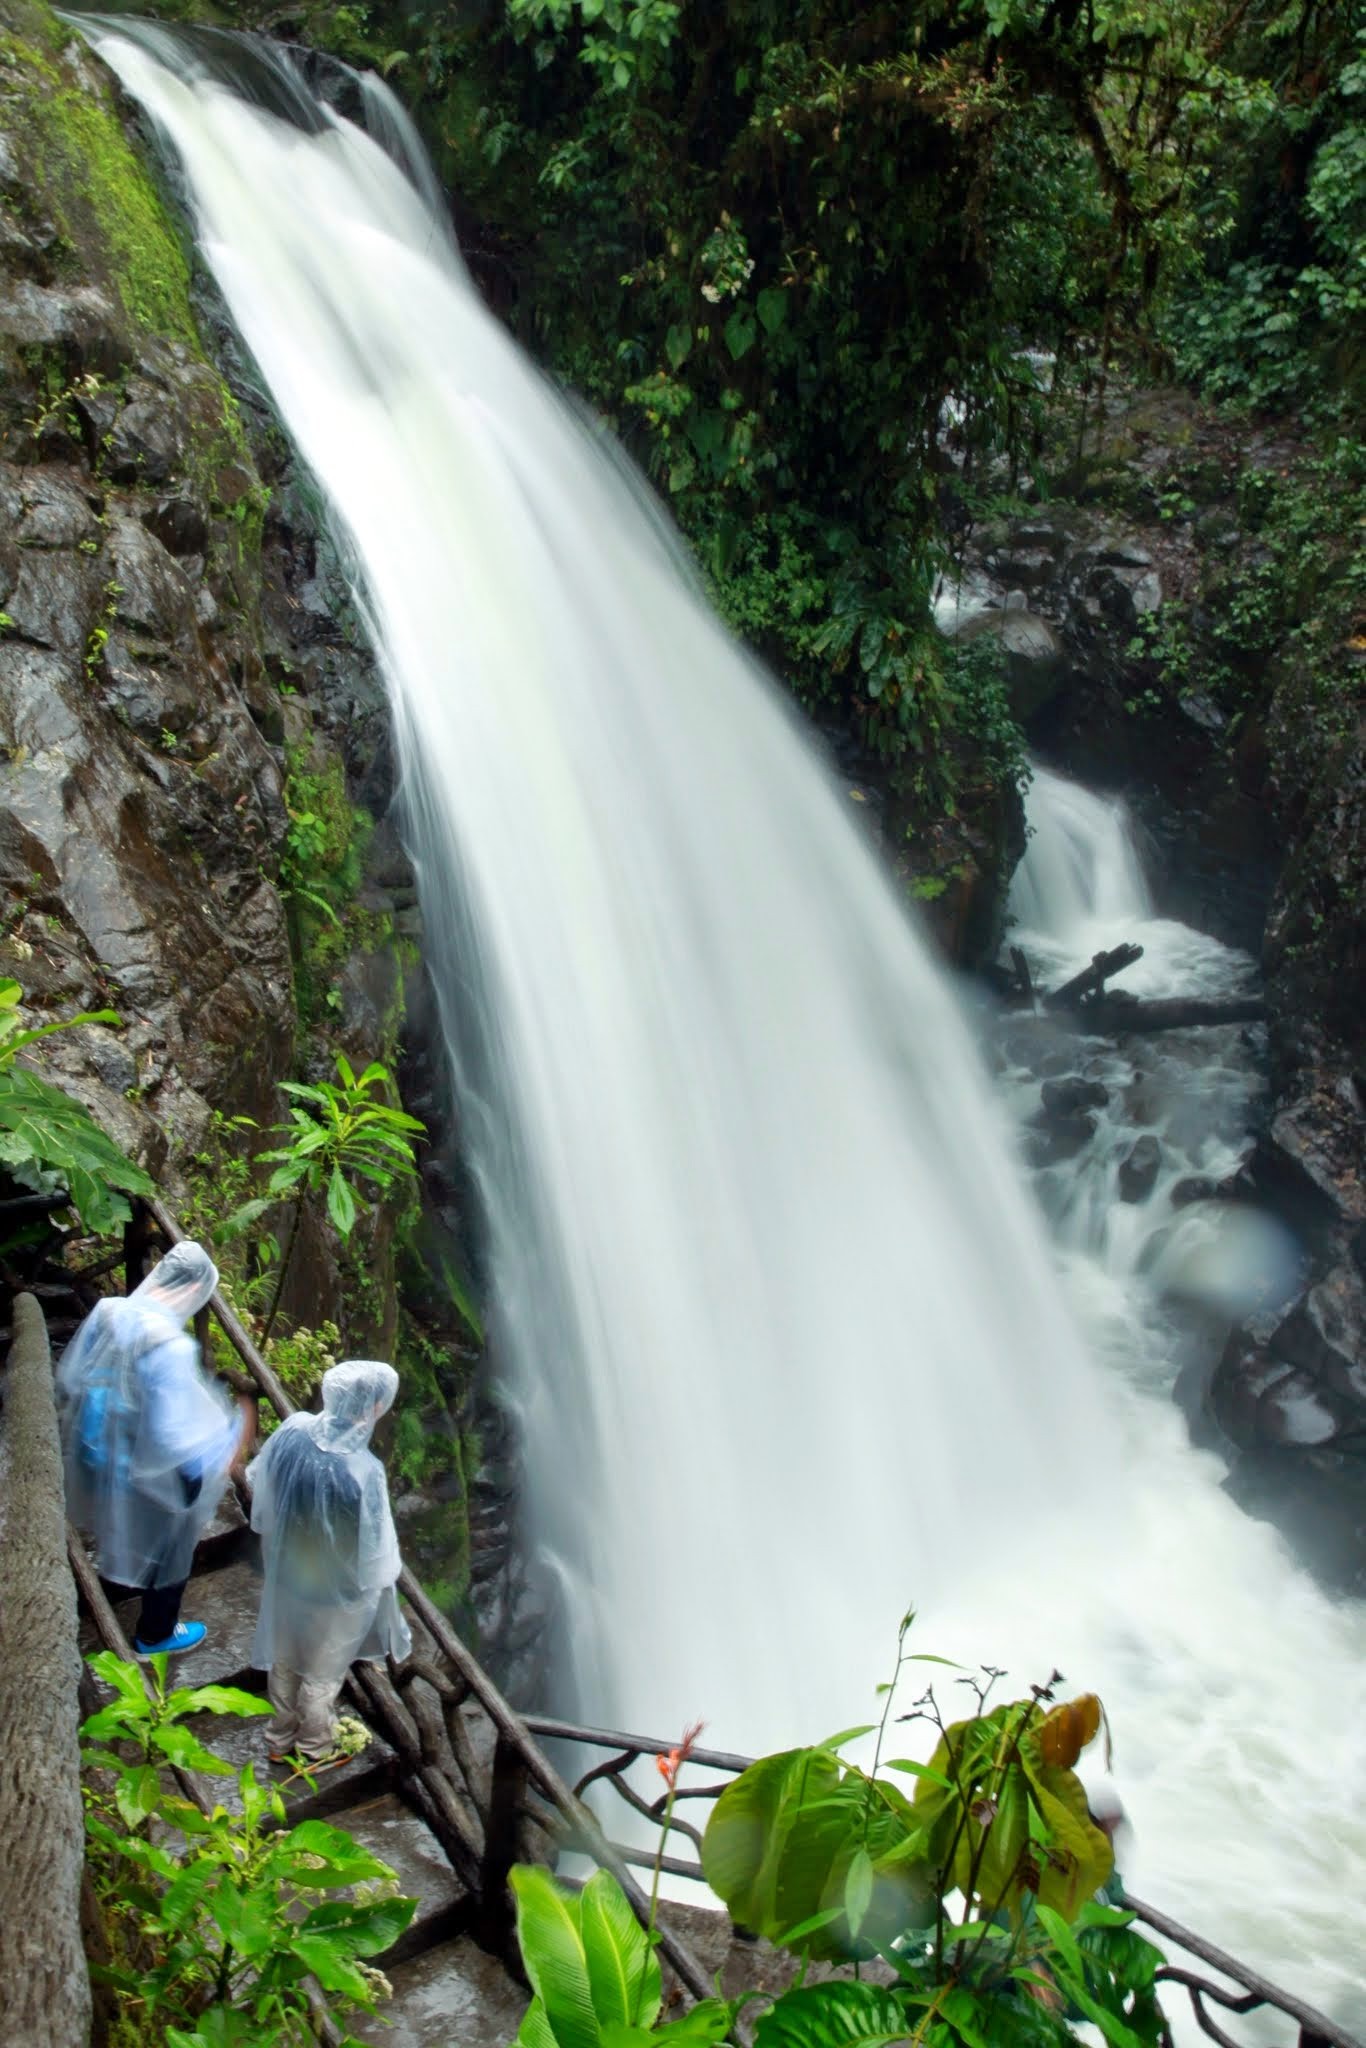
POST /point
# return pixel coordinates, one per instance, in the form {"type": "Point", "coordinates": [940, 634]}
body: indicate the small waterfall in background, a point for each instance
{"type": "Point", "coordinates": [1080, 873]}
{"type": "Point", "coordinates": [779, 1315]}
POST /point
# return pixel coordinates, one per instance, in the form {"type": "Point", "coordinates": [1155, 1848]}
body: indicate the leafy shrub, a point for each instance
{"type": "Point", "coordinates": [47, 1140]}
{"type": "Point", "coordinates": [218, 1920]}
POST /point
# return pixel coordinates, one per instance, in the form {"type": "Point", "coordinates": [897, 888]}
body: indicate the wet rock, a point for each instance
{"type": "Point", "coordinates": [55, 600]}
{"type": "Point", "coordinates": [55, 511]}
{"type": "Point", "coordinates": [1326, 1334]}
{"type": "Point", "coordinates": [1034, 656]}
{"type": "Point", "coordinates": [147, 441]}
{"type": "Point", "coordinates": [1257, 1398]}
{"type": "Point", "coordinates": [1138, 1173]}
{"type": "Point", "coordinates": [179, 524]}
{"type": "Point", "coordinates": [1061, 1139]}
{"type": "Point", "coordinates": [1194, 1188]}
{"type": "Point", "coordinates": [153, 592]}
{"type": "Point", "coordinates": [1066, 1098]}
{"type": "Point", "coordinates": [82, 320]}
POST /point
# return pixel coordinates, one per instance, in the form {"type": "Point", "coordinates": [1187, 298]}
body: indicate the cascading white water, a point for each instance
{"type": "Point", "coordinates": [1080, 868]}
{"type": "Point", "coordinates": [780, 1318]}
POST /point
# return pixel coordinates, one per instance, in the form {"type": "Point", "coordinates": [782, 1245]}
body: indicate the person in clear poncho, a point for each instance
{"type": "Point", "coordinates": [320, 1503]}
{"type": "Point", "coordinates": [148, 1440]}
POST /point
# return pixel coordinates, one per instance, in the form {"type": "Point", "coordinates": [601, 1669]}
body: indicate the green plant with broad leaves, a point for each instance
{"type": "Point", "coordinates": [218, 1920]}
{"type": "Point", "coordinates": [976, 1894]}
{"type": "Point", "coordinates": [339, 1140]}
{"type": "Point", "coordinates": [47, 1141]}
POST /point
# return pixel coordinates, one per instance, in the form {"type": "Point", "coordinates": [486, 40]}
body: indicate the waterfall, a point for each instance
{"type": "Point", "coordinates": [779, 1317]}
{"type": "Point", "coordinates": [1080, 865]}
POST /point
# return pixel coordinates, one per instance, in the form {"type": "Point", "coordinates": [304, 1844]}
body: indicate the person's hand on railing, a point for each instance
{"type": "Point", "coordinates": [246, 1443]}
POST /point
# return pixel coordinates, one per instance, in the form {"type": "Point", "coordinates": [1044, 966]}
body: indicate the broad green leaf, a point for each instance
{"type": "Point", "coordinates": [677, 345]}
{"type": "Point", "coordinates": [344, 1859]}
{"type": "Point", "coordinates": [246, 1918]}
{"type": "Point", "coordinates": [858, 1890]}
{"type": "Point", "coordinates": [847, 1735]}
{"type": "Point", "coordinates": [341, 1203]}
{"type": "Point", "coordinates": [536, 2030]}
{"type": "Point", "coordinates": [842, 2015]}
{"type": "Point", "coordinates": [180, 1747]}
{"type": "Point", "coordinates": [740, 332]}
{"type": "Point", "coordinates": [550, 1936]}
{"type": "Point", "coordinates": [781, 1841]}
{"type": "Point", "coordinates": [772, 308]}
{"type": "Point", "coordinates": [217, 1699]}
{"type": "Point", "coordinates": [708, 2023]}
{"type": "Point", "coordinates": [325, 1961]}
{"type": "Point", "coordinates": [367, 1930]}
{"type": "Point", "coordinates": [915, 1770]}
{"type": "Point", "coordinates": [623, 1970]}
{"type": "Point", "coordinates": [137, 1793]}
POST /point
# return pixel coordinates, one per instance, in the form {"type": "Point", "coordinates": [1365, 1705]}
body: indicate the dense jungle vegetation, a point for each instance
{"type": "Point", "coordinates": [844, 275]}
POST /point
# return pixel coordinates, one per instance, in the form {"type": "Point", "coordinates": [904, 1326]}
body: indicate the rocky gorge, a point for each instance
{"type": "Point", "coordinates": [1158, 647]}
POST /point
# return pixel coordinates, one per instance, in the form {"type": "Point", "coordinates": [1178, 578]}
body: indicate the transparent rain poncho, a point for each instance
{"type": "Point", "coordinates": [320, 1503]}
{"type": "Point", "coordinates": [147, 1435]}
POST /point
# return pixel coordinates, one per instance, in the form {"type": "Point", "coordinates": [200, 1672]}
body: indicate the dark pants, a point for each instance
{"type": "Point", "coordinates": [160, 1604]}
{"type": "Point", "coordinates": [160, 1608]}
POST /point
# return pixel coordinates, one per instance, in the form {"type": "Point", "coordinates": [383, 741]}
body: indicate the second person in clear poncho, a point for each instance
{"type": "Point", "coordinates": [320, 1503]}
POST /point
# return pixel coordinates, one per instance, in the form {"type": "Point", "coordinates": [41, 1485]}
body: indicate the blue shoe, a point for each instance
{"type": "Point", "coordinates": [186, 1635]}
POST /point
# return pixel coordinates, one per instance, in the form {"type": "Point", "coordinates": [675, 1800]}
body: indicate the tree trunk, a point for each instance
{"type": "Point", "coordinates": [46, 1987]}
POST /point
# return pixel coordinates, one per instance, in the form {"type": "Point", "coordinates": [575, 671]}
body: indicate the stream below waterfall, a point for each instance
{"type": "Point", "coordinates": [780, 1319]}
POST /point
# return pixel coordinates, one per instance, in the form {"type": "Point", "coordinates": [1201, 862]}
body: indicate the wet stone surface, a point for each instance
{"type": "Point", "coordinates": [453, 1997]}
{"type": "Point", "coordinates": [394, 1833]}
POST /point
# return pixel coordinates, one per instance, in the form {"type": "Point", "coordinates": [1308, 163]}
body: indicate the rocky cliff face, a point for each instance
{"type": "Point", "coordinates": [141, 805]}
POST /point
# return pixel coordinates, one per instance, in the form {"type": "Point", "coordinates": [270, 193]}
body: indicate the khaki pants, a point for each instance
{"type": "Point", "coordinates": [303, 1720]}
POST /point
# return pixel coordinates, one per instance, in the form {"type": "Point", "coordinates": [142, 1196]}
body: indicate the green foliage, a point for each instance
{"type": "Point", "coordinates": [340, 1141]}
{"type": "Point", "coordinates": [1274, 312]}
{"type": "Point", "coordinates": [338, 1137]}
{"type": "Point", "coordinates": [303, 1357]}
{"type": "Point", "coordinates": [979, 1891]}
{"type": "Point", "coordinates": [593, 1971]}
{"type": "Point", "coordinates": [99, 188]}
{"type": "Point", "coordinates": [49, 1141]}
{"type": "Point", "coordinates": [221, 1918]}
{"type": "Point", "coordinates": [320, 865]}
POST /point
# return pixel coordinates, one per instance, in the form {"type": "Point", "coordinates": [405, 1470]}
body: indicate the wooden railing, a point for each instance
{"type": "Point", "coordinates": [487, 1817]}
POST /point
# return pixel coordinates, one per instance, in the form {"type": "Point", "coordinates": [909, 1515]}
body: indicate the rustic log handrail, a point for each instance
{"type": "Point", "coordinates": [43, 1979]}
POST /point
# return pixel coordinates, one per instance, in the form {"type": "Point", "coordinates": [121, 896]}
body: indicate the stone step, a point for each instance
{"type": "Point", "coordinates": [242, 1741]}
{"type": "Point", "coordinates": [402, 1839]}
{"type": "Point", "coordinates": [455, 1996]}
{"type": "Point", "coordinates": [227, 1601]}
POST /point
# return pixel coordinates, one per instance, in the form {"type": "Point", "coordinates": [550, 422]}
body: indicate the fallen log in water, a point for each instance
{"type": "Point", "coordinates": [1115, 1014]}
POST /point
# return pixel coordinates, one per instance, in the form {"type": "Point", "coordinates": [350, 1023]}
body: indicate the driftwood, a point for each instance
{"type": "Point", "coordinates": [46, 1988]}
{"type": "Point", "coordinates": [1091, 981]}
